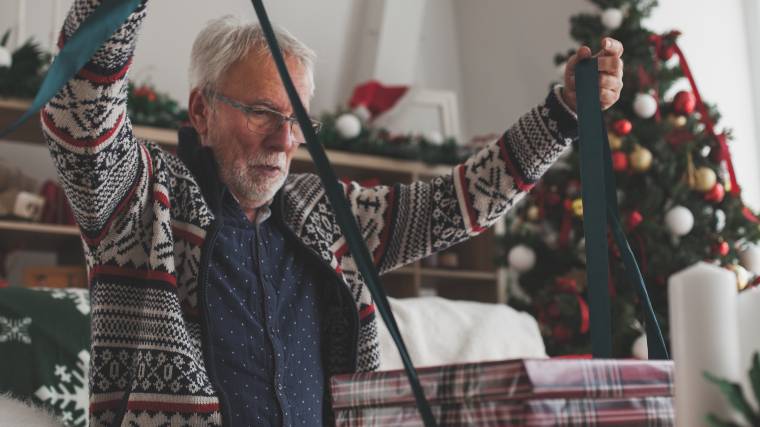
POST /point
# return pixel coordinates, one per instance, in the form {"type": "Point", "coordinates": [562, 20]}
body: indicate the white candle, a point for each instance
{"type": "Point", "coordinates": [749, 336]}
{"type": "Point", "coordinates": [704, 338]}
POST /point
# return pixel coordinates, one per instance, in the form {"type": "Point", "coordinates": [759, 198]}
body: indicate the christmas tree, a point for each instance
{"type": "Point", "coordinates": [678, 195]}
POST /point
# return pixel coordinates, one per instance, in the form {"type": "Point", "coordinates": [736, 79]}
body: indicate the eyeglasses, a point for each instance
{"type": "Point", "coordinates": [266, 121]}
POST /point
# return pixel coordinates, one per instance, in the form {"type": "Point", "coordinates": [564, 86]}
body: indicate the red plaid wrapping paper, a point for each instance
{"type": "Point", "coordinates": [534, 392]}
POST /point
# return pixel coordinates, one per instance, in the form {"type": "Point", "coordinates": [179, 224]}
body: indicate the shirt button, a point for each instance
{"type": "Point", "coordinates": [279, 387]}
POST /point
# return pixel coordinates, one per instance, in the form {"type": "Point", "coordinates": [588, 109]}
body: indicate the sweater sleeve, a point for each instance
{"type": "Point", "coordinates": [403, 223]}
{"type": "Point", "coordinates": [87, 129]}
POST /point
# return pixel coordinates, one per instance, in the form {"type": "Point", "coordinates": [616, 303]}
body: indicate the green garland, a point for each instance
{"type": "Point", "coordinates": [24, 76]}
{"type": "Point", "coordinates": [380, 142]}
{"type": "Point", "coordinates": [148, 107]}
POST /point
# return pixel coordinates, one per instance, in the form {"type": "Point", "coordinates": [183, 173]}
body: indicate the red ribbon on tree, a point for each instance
{"type": "Point", "coordinates": [662, 50]}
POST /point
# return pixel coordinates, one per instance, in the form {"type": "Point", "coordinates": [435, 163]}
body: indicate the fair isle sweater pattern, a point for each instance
{"type": "Point", "coordinates": [144, 221]}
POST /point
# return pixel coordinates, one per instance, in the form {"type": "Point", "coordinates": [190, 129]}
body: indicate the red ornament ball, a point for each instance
{"type": "Point", "coordinates": [665, 52]}
{"type": "Point", "coordinates": [716, 194]}
{"type": "Point", "coordinates": [622, 127]}
{"type": "Point", "coordinates": [619, 161]}
{"type": "Point", "coordinates": [634, 219]}
{"type": "Point", "coordinates": [722, 248]}
{"type": "Point", "coordinates": [684, 102]}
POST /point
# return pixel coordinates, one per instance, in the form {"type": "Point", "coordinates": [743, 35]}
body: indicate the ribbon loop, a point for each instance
{"type": "Point", "coordinates": [600, 209]}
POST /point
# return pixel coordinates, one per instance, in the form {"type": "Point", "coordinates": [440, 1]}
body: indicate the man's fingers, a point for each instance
{"type": "Point", "coordinates": [607, 97]}
{"type": "Point", "coordinates": [581, 53]}
{"type": "Point", "coordinates": [570, 83]}
{"type": "Point", "coordinates": [611, 65]}
{"type": "Point", "coordinates": [607, 81]}
{"type": "Point", "coordinates": [611, 47]}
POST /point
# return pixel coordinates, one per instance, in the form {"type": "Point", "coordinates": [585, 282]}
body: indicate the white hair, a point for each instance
{"type": "Point", "coordinates": [226, 40]}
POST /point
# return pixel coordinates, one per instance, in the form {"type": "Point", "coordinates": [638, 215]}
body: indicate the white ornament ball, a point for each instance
{"type": "Point", "coordinates": [645, 105]}
{"type": "Point", "coordinates": [362, 113]}
{"type": "Point", "coordinates": [612, 18]}
{"type": "Point", "coordinates": [679, 221]}
{"type": "Point", "coordinates": [521, 258]}
{"type": "Point", "coordinates": [348, 126]}
{"type": "Point", "coordinates": [434, 137]}
{"type": "Point", "coordinates": [749, 258]}
{"type": "Point", "coordinates": [6, 59]}
{"type": "Point", "coordinates": [639, 349]}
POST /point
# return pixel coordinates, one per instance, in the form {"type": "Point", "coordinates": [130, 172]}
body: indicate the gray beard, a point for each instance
{"type": "Point", "coordinates": [246, 184]}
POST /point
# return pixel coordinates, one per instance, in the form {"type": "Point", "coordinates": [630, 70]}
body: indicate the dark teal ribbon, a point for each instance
{"type": "Point", "coordinates": [345, 216]}
{"type": "Point", "coordinates": [76, 52]}
{"type": "Point", "coordinates": [600, 206]}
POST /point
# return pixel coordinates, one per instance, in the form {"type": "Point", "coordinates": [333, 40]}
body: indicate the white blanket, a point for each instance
{"type": "Point", "coordinates": [438, 331]}
{"type": "Point", "coordinates": [15, 413]}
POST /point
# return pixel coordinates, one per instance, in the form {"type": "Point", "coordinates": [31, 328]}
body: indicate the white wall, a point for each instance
{"type": "Point", "coordinates": [497, 55]}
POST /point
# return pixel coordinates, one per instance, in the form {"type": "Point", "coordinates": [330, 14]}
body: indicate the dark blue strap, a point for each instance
{"type": "Point", "coordinates": [345, 216]}
{"type": "Point", "coordinates": [600, 206]}
{"type": "Point", "coordinates": [76, 52]}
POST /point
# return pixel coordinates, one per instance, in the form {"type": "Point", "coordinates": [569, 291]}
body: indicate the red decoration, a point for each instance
{"type": "Point", "coordinates": [553, 310]}
{"type": "Point", "coordinates": [716, 194]}
{"type": "Point", "coordinates": [622, 127]}
{"type": "Point", "coordinates": [566, 284]}
{"type": "Point", "coordinates": [552, 198]}
{"type": "Point", "coordinates": [619, 161]}
{"type": "Point", "coordinates": [585, 315]}
{"type": "Point", "coordinates": [634, 219]}
{"type": "Point", "coordinates": [722, 248]}
{"type": "Point", "coordinates": [664, 45]}
{"type": "Point", "coordinates": [725, 155]}
{"type": "Point", "coordinates": [376, 97]}
{"type": "Point", "coordinates": [684, 102]}
{"type": "Point", "coordinates": [146, 91]}
{"type": "Point", "coordinates": [749, 215]}
{"type": "Point", "coordinates": [678, 137]}
{"type": "Point", "coordinates": [561, 333]}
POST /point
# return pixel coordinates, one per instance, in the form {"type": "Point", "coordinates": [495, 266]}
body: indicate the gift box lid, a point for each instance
{"type": "Point", "coordinates": [518, 379]}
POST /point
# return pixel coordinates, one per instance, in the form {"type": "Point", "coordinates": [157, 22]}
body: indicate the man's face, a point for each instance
{"type": "Point", "coordinates": [254, 165]}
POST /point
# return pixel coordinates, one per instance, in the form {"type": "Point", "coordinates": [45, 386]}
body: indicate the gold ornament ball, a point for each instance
{"type": "Point", "coordinates": [578, 208]}
{"type": "Point", "coordinates": [704, 179]}
{"type": "Point", "coordinates": [640, 159]}
{"type": "Point", "coordinates": [616, 142]}
{"type": "Point", "coordinates": [532, 213]}
{"type": "Point", "coordinates": [677, 120]}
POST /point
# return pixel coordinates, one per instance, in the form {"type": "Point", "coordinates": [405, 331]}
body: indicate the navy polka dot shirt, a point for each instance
{"type": "Point", "coordinates": [264, 321]}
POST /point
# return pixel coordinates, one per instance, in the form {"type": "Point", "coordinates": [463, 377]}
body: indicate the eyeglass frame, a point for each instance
{"type": "Point", "coordinates": [246, 109]}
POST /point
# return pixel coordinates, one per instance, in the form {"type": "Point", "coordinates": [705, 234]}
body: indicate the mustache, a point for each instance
{"type": "Point", "coordinates": [273, 160]}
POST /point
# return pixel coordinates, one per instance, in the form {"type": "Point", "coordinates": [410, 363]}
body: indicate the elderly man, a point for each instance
{"type": "Point", "coordinates": [220, 285]}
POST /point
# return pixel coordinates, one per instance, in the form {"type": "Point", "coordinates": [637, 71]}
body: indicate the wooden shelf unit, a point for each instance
{"type": "Point", "coordinates": [475, 279]}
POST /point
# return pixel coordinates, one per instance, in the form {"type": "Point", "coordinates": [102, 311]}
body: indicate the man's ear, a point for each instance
{"type": "Point", "coordinates": [198, 111]}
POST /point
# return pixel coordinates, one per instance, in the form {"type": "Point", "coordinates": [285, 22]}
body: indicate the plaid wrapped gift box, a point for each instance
{"type": "Point", "coordinates": [532, 392]}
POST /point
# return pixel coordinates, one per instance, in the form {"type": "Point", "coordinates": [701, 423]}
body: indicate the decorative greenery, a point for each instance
{"type": "Point", "coordinates": [379, 142]}
{"type": "Point", "coordinates": [148, 107]}
{"type": "Point", "coordinates": [734, 394]}
{"type": "Point", "coordinates": [24, 76]}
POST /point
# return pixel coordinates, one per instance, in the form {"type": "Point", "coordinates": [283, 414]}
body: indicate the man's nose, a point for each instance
{"type": "Point", "coordinates": [281, 139]}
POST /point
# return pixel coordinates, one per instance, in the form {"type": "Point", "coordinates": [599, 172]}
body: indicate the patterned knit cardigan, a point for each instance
{"type": "Point", "coordinates": [145, 221]}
